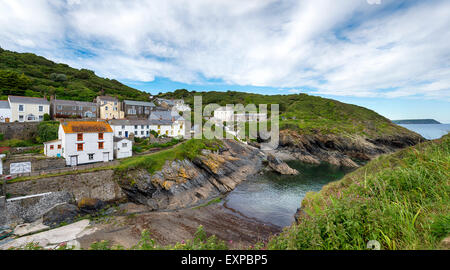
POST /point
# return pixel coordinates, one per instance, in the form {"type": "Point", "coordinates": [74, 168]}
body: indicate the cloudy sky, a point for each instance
{"type": "Point", "coordinates": [392, 56]}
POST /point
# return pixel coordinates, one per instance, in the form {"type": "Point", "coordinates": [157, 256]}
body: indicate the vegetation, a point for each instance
{"type": "Point", "coordinates": [46, 131]}
{"type": "Point", "coordinates": [154, 162]}
{"type": "Point", "coordinates": [26, 74]}
{"type": "Point", "coordinates": [305, 113]}
{"type": "Point", "coordinates": [142, 145]}
{"type": "Point", "coordinates": [400, 200]}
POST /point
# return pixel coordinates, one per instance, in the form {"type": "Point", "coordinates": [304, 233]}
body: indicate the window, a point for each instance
{"type": "Point", "coordinates": [21, 118]}
{"type": "Point", "coordinates": [74, 108]}
{"type": "Point", "coordinates": [91, 156]}
{"type": "Point", "coordinates": [142, 132]}
{"type": "Point", "coordinates": [135, 126]}
{"type": "Point", "coordinates": [51, 147]}
{"type": "Point", "coordinates": [124, 144]}
{"type": "Point", "coordinates": [120, 133]}
{"type": "Point", "coordinates": [100, 136]}
{"type": "Point", "coordinates": [106, 108]}
{"type": "Point", "coordinates": [123, 127]}
{"type": "Point", "coordinates": [59, 146]}
{"type": "Point", "coordinates": [94, 109]}
{"type": "Point", "coordinates": [80, 108]}
{"type": "Point", "coordinates": [142, 126]}
{"type": "Point", "coordinates": [148, 132]}
{"type": "Point", "coordinates": [20, 108]}
{"type": "Point", "coordinates": [41, 117]}
{"type": "Point", "coordinates": [41, 108]}
{"type": "Point", "coordinates": [59, 107]}
{"type": "Point", "coordinates": [100, 145]}
{"type": "Point", "coordinates": [148, 127]}
{"type": "Point", "coordinates": [79, 147]}
{"type": "Point", "coordinates": [79, 136]}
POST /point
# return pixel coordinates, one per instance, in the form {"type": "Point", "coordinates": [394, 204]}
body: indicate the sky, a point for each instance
{"type": "Point", "coordinates": [392, 56]}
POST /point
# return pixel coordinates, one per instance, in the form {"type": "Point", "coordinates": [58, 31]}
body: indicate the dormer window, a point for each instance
{"type": "Point", "coordinates": [79, 136]}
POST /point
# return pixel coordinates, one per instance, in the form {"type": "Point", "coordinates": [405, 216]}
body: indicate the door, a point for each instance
{"type": "Point", "coordinates": [126, 134]}
{"type": "Point", "coordinates": [105, 157]}
{"type": "Point", "coordinates": [73, 160]}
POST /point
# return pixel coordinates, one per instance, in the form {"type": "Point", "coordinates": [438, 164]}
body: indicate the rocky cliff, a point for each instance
{"type": "Point", "coordinates": [340, 150]}
{"type": "Point", "coordinates": [184, 183]}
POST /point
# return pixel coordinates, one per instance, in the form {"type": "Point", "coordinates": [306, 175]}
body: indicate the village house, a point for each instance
{"type": "Point", "coordinates": [227, 114]}
{"type": "Point", "coordinates": [109, 108]}
{"type": "Point", "coordinates": [5, 111]}
{"type": "Point", "coordinates": [82, 142]}
{"type": "Point", "coordinates": [123, 128]}
{"type": "Point", "coordinates": [72, 109]}
{"type": "Point", "coordinates": [168, 123]}
{"type": "Point", "coordinates": [137, 109]}
{"type": "Point", "coordinates": [28, 109]}
{"type": "Point", "coordinates": [123, 147]}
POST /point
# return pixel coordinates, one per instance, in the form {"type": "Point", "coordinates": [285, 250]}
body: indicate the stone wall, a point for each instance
{"type": "Point", "coordinates": [17, 130]}
{"type": "Point", "coordinates": [38, 162]}
{"type": "Point", "coordinates": [2, 211]}
{"type": "Point", "coordinates": [99, 184]}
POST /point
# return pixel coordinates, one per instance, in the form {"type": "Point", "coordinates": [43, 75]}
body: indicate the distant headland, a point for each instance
{"type": "Point", "coordinates": [416, 121]}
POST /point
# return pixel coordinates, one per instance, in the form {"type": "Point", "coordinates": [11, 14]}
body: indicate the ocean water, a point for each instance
{"type": "Point", "coordinates": [273, 198]}
{"type": "Point", "coordinates": [429, 131]}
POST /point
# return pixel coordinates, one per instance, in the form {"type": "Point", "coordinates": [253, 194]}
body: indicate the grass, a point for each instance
{"type": "Point", "coordinates": [213, 201]}
{"type": "Point", "coordinates": [145, 145]}
{"type": "Point", "coordinates": [154, 162]}
{"type": "Point", "coordinates": [400, 200]}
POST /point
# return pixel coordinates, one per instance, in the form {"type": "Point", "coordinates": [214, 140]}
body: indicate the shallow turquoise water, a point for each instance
{"type": "Point", "coordinates": [273, 198]}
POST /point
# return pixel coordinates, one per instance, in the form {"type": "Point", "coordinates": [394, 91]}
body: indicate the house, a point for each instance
{"type": "Point", "coordinates": [53, 148]}
{"type": "Point", "coordinates": [224, 114]}
{"type": "Point", "coordinates": [123, 147]}
{"type": "Point", "coordinates": [123, 128]}
{"type": "Point", "coordinates": [109, 108]}
{"type": "Point", "coordinates": [72, 109]}
{"type": "Point", "coordinates": [168, 123]}
{"type": "Point", "coordinates": [5, 111]}
{"type": "Point", "coordinates": [28, 109]}
{"type": "Point", "coordinates": [137, 109]}
{"type": "Point", "coordinates": [82, 142]}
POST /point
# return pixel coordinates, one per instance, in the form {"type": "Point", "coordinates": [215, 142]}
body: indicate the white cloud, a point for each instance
{"type": "Point", "coordinates": [287, 44]}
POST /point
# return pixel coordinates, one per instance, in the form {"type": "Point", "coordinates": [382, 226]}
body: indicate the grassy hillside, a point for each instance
{"type": "Point", "coordinates": [401, 200]}
{"type": "Point", "coordinates": [26, 74]}
{"type": "Point", "coordinates": [306, 114]}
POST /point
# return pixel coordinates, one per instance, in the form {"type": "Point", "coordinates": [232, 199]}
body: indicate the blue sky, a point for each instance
{"type": "Point", "coordinates": [392, 56]}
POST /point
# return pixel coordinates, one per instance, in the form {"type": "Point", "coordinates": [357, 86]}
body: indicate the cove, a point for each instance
{"type": "Point", "coordinates": [273, 198]}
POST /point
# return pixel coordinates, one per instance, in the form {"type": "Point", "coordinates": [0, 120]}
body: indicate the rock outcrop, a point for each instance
{"type": "Point", "coordinates": [184, 183]}
{"type": "Point", "coordinates": [280, 166]}
{"type": "Point", "coordinates": [340, 150]}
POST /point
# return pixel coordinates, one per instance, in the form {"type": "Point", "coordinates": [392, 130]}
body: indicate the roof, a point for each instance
{"type": "Point", "coordinates": [168, 101]}
{"type": "Point", "coordinates": [86, 127]}
{"type": "Point", "coordinates": [28, 100]}
{"type": "Point", "coordinates": [118, 139]}
{"type": "Point", "coordinates": [73, 102]}
{"type": "Point", "coordinates": [139, 103]}
{"type": "Point", "coordinates": [4, 104]}
{"type": "Point", "coordinates": [127, 122]}
{"type": "Point", "coordinates": [52, 141]}
{"type": "Point", "coordinates": [110, 98]}
{"type": "Point", "coordinates": [160, 122]}
{"type": "Point", "coordinates": [164, 115]}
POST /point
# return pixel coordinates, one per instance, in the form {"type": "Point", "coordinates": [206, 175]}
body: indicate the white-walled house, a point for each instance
{"type": "Point", "coordinates": [123, 128]}
{"type": "Point", "coordinates": [84, 142]}
{"type": "Point", "coordinates": [5, 111]}
{"type": "Point", "coordinates": [123, 147]}
{"type": "Point", "coordinates": [168, 123]}
{"type": "Point", "coordinates": [28, 109]}
{"type": "Point", "coordinates": [53, 148]}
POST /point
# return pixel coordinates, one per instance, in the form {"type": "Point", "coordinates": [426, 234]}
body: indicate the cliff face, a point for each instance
{"type": "Point", "coordinates": [342, 150]}
{"type": "Point", "coordinates": [184, 183]}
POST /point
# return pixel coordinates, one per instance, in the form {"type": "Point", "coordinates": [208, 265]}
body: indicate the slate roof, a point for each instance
{"type": "Point", "coordinates": [4, 104]}
{"type": "Point", "coordinates": [164, 115]}
{"type": "Point", "coordinates": [73, 103]}
{"type": "Point", "coordinates": [127, 122]}
{"type": "Point", "coordinates": [109, 98]}
{"type": "Point", "coordinates": [28, 100]}
{"type": "Point", "coordinates": [86, 127]}
{"type": "Point", "coordinates": [139, 103]}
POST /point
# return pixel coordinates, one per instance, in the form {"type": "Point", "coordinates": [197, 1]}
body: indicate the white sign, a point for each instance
{"type": "Point", "coordinates": [20, 167]}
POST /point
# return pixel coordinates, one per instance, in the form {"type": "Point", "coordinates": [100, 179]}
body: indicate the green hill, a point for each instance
{"type": "Point", "coordinates": [401, 200]}
{"type": "Point", "coordinates": [26, 74]}
{"type": "Point", "coordinates": [307, 114]}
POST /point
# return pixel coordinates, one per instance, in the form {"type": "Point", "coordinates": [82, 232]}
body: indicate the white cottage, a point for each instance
{"type": "Point", "coordinates": [28, 109]}
{"type": "Point", "coordinates": [5, 111]}
{"type": "Point", "coordinates": [123, 128]}
{"type": "Point", "coordinates": [168, 123]}
{"type": "Point", "coordinates": [123, 147]}
{"type": "Point", "coordinates": [83, 142]}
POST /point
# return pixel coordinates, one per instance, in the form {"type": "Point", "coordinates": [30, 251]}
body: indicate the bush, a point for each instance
{"type": "Point", "coordinates": [47, 117]}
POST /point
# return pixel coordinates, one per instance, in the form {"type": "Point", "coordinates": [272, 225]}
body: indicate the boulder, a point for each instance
{"type": "Point", "coordinates": [64, 212]}
{"type": "Point", "coordinates": [280, 166]}
{"type": "Point", "coordinates": [90, 205]}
